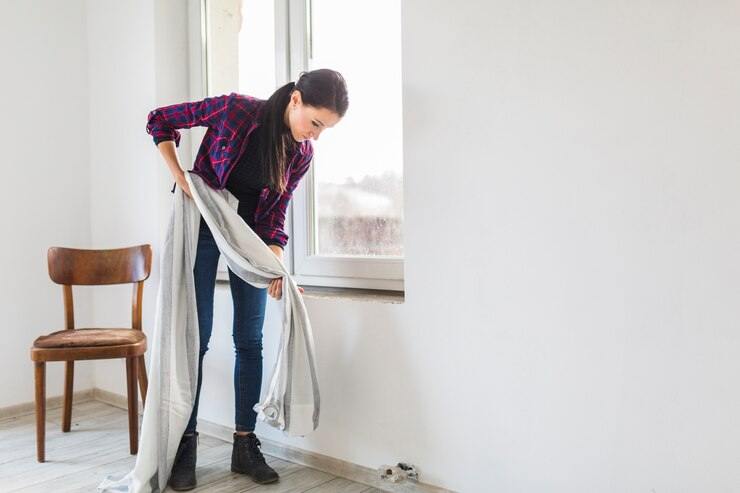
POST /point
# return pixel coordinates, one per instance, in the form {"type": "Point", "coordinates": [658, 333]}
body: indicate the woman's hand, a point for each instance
{"type": "Point", "coordinates": [275, 289]}
{"type": "Point", "coordinates": [183, 183]}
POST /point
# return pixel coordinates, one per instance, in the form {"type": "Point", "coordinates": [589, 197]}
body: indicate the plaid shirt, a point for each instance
{"type": "Point", "coordinates": [230, 120]}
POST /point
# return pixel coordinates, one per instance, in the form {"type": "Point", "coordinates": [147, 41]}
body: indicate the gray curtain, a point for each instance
{"type": "Point", "coordinates": [291, 401]}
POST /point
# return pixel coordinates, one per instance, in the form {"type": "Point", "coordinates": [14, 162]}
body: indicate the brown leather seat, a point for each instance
{"type": "Point", "coordinates": [89, 338]}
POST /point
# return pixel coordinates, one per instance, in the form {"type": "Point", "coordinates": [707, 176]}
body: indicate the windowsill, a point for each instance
{"type": "Point", "coordinates": [352, 294]}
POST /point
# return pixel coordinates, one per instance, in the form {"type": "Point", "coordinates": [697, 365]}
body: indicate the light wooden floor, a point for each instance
{"type": "Point", "coordinates": [98, 446]}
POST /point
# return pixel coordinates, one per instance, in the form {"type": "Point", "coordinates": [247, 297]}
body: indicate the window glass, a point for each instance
{"type": "Point", "coordinates": [358, 164]}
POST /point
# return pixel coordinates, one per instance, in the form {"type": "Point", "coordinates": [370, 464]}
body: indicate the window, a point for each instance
{"type": "Point", "coordinates": [346, 217]}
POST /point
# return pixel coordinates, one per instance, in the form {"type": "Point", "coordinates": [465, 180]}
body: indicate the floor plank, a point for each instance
{"type": "Point", "coordinates": [339, 485]}
{"type": "Point", "coordinates": [300, 479]}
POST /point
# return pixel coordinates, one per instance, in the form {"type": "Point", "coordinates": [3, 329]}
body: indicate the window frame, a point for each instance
{"type": "Point", "coordinates": [293, 28]}
{"type": "Point", "coordinates": [292, 51]}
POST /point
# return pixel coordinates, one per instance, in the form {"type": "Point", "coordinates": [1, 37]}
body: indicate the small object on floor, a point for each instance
{"type": "Point", "coordinates": [182, 477]}
{"type": "Point", "coordinates": [247, 458]}
{"type": "Point", "coordinates": [398, 472]}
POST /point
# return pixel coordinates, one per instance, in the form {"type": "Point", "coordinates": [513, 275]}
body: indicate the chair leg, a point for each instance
{"type": "Point", "coordinates": [40, 377]}
{"type": "Point", "coordinates": [69, 376]}
{"type": "Point", "coordinates": [143, 380]}
{"type": "Point", "coordinates": [133, 403]}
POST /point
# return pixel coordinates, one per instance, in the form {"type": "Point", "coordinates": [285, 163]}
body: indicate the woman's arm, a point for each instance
{"type": "Point", "coordinates": [167, 149]}
{"type": "Point", "coordinates": [277, 251]}
{"type": "Point", "coordinates": [163, 122]}
{"type": "Point", "coordinates": [270, 227]}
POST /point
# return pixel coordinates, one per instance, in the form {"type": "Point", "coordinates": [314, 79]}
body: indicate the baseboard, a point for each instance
{"type": "Point", "coordinates": [51, 403]}
{"type": "Point", "coordinates": [331, 465]}
{"type": "Point", "coordinates": [113, 399]}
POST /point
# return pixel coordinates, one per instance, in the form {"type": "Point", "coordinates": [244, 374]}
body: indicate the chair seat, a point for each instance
{"type": "Point", "coordinates": [79, 338]}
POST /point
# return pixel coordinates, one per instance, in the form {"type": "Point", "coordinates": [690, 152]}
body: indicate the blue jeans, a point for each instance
{"type": "Point", "coordinates": [249, 315]}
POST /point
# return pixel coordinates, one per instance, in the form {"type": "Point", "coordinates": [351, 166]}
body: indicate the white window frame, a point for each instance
{"type": "Point", "coordinates": [292, 57]}
{"type": "Point", "coordinates": [292, 30]}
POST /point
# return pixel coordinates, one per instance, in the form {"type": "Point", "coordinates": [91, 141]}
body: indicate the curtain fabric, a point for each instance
{"type": "Point", "coordinates": [291, 401]}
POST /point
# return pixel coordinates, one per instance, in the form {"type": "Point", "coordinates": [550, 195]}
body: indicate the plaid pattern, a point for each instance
{"type": "Point", "coordinates": [230, 120]}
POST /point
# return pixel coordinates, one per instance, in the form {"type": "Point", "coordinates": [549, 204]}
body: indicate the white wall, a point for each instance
{"type": "Point", "coordinates": [124, 207]}
{"type": "Point", "coordinates": [574, 282]}
{"type": "Point", "coordinates": [46, 199]}
{"type": "Point", "coordinates": [138, 60]}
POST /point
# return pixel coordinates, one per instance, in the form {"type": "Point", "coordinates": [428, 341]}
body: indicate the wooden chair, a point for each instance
{"type": "Point", "coordinates": [68, 267]}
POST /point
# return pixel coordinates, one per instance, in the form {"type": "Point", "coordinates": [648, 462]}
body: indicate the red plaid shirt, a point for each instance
{"type": "Point", "coordinates": [230, 120]}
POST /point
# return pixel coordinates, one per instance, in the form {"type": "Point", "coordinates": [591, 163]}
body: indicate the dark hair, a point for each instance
{"type": "Point", "coordinates": [322, 88]}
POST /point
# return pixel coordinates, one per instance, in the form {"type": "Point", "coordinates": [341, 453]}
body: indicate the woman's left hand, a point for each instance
{"type": "Point", "coordinates": [275, 289]}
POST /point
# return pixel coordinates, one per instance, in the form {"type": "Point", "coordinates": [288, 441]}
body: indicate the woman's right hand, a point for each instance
{"type": "Point", "coordinates": [183, 183]}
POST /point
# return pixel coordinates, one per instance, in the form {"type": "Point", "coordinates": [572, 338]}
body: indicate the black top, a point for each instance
{"type": "Point", "coordinates": [247, 179]}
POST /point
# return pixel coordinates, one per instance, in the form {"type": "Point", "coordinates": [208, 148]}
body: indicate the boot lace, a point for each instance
{"type": "Point", "coordinates": [253, 444]}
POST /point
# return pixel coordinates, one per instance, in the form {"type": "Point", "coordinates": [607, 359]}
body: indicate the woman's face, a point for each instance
{"type": "Point", "coordinates": [307, 122]}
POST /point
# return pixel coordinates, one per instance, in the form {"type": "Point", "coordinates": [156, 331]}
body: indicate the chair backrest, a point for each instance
{"type": "Point", "coordinates": [72, 266]}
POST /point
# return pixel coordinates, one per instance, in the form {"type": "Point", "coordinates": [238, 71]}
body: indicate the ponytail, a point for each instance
{"type": "Point", "coordinates": [277, 141]}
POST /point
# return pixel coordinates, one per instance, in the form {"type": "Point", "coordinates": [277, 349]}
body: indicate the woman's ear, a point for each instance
{"type": "Point", "coordinates": [295, 98]}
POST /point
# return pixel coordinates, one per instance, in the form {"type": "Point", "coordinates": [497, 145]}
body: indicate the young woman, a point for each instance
{"type": "Point", "coordinates": [259, 151]}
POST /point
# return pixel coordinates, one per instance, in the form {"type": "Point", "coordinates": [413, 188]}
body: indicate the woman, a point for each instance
{"type": "Point", "coordinates": [259, 151]}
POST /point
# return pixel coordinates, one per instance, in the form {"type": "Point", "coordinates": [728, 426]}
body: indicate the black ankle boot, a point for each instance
{"type": "Point", "coordinates": [247, 458]}
{"type": "Point", "coordinates": [182, 477]}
